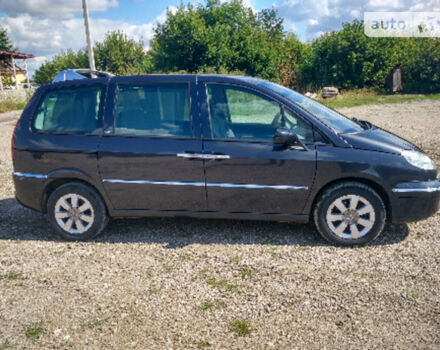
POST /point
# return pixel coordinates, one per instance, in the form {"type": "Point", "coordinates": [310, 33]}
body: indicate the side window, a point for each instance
{"type": "Point", "coordinates": [153, 110]}
{"type": "Point", "coordinates": [237, 113]}
{"type": "Point", "coordinates": [298, 126]}
{"type": "Point", "coordinates": [69, 110]}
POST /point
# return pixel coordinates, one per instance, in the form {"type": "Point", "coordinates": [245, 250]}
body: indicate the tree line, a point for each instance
{"type": "Point", "coordinates": [228, 37]}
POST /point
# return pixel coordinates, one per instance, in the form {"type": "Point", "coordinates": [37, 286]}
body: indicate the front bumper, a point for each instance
{"type": "Point", "coordinates": [413, 201]}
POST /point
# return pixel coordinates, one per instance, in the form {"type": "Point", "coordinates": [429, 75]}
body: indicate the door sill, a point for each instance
{"type": "Point", "coordinates": [135, 213]}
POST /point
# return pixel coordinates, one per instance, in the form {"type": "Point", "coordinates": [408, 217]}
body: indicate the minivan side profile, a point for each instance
{"type": "Point", "coordinates": [212, 146]}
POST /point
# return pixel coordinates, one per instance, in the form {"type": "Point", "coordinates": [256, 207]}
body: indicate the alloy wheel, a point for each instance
{"type": "Point", "coordinates": [74, 213]}
{"type": "Point", "coordinates": [350, 216]}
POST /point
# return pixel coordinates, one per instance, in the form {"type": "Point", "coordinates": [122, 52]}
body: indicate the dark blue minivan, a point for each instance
{"type": "Point", "coordinates": [212, 146]}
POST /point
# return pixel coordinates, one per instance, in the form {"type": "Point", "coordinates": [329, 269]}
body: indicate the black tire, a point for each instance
{"type": "Point", "coordinates": [86, 198]}
{"type": "Point", "coordinates": [344, 193]}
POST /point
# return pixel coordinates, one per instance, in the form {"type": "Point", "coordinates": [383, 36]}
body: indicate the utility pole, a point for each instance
{"type": "Point", "coordinates": [89, 39]}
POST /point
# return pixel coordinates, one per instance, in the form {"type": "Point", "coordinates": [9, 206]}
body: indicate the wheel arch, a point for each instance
{"type": "Point", "coordinates": [57, 182]}
{"type": "Point", "coordinates": [379, 189]}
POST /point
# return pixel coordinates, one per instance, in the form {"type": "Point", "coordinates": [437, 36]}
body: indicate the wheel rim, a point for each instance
{"type": "Point", "coordinates": [350, 216]}
{"type": "Point", "coordinates": [74, 213]}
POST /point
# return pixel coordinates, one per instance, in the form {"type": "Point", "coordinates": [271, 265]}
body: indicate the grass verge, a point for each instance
{"type": "Point", "coordinates": [360, 97]}
{"type": "Point", "coordinates": [10, 105]}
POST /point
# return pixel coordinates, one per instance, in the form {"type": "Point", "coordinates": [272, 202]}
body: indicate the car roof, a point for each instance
{"type": "Point", "coordinates": [214, 77]}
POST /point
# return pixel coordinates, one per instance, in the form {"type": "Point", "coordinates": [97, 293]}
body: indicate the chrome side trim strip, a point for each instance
{"type": "Point", "coordinates": [216, 156]}
{"type": "Point", "coordinates": [145, 182]}
{"type": "Point", "coordinates": [34, 176]}
{"type": "Point", "coordinates": [274, 187]}
{"type": "Point", "coordinates": [208, 184]}
{"type": "Point", "coordinates": [202, 156]}
{"type": "Point", "coordinates": [408, 190]}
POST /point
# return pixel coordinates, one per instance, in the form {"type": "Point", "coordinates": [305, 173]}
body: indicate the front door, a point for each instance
{"type": "Point", "coordinates": [247, 172]}
{"type": "Point", "coordinates": [151, 129]}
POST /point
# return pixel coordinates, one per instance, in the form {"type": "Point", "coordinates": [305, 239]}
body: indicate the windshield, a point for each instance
{"type": "Point", "coordinates": [338, 122]}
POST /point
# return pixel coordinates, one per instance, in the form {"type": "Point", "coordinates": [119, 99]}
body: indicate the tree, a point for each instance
{"type": "Point", "coordinates": [120, 55]}
{"type": "Point", "coordinates": [116, 54]}
{"type": "Point", "coordinates": [220, 37]}
{"type": "Point", "coordinates": [64, 60]}
{"type": "Point", "coordinates": [421, 65]}
{"type": "Point", "coordinates": [289, 62]}
{"type": "Point", "coordinates": [5, 42]}
{"type": "Point", "coordinates": [349, 59]}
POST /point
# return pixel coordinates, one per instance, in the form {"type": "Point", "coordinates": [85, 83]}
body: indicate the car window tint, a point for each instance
{"type": "Point", "coordinates": [298, 126]}
{"type": "Point", "coordinates": [69, 110]}
{"type": "Point", "coordinates": [238, 113]}
{"type": "Point", "coordinates": [153, 110]}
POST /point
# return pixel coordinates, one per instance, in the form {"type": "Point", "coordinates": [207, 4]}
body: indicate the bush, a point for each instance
{"type": "Point", "coordinates": [421, 68]}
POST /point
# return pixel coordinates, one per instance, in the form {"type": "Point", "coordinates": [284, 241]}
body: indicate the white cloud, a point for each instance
{"type": "Point", "coordinates": [321, 16]}
{"type": "Point", "coordinates": [50, 8]}
{"type": "Point", "coordinates": [45, 37]}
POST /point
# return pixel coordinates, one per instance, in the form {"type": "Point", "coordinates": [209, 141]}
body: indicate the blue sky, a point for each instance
{"type": "Point", "coordinates": [142, 11]}
{"type": "Point", "coordinates": [46, 27]}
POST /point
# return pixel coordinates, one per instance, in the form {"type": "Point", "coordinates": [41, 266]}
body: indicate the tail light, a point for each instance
{"type": "Point", "coordinates": [12, 140]}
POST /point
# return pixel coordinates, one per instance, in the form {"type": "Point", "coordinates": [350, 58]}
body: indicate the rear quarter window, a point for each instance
{"type": "Point", "coordinates": [69, 110]}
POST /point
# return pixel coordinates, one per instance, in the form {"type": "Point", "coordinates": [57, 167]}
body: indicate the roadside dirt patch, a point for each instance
{"type": "Point", "coordinates": [183, 284]}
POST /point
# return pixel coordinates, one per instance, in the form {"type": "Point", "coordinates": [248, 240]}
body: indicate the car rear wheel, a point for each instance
{"type": "Point", "coordinates": [350, 214]}
{"type": "Point", "coordinates": [76, 212]}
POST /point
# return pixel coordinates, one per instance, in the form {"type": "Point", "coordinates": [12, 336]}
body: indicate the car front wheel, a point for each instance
{"type": "Point", "coordinates": [350, 214]}
{"type": "Point", "coordinates": [76, 212]}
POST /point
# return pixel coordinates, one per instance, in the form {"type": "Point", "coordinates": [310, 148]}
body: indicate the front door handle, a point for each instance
{"type": "Point", "coordinates": [190, 155]}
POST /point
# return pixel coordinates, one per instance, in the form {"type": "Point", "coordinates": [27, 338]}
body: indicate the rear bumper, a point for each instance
{"type": "Point", "coordinates": [29, 189]}
{"type": "Point", "coordinates": [413, 201]}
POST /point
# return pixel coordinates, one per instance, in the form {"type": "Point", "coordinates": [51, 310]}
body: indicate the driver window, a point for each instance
{"type": "Point", "coordinates": [242, 114]}
{"type": "Point", "coordinates": [298, 126]}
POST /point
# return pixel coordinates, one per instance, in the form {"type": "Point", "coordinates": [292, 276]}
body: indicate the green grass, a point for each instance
{"type": "Point", "coordinates": [246, 273]}
{"type": "Point", "coordinates": [241, 327]}
{"type": "Point", "coordinates": [361, 97]}
{"type": "Point", "coordinates": [5, 345]}
{"type": "Point", "coordinates": [186, 257]}
{"type": "Point", "coordinates": [208, 305]}
{"type": "Point", "coordinates": [11, 105]}
{"type": "Point", "coordinates": [235, 260]}
{"type": "Point", "coordinates": [203, 344]}
{"type": "Point", "coordinates": [169, 267]}
{"type": "Point", "coordinates": [95, 323]}
{"type": "Point", "coordinates": [221, 284]}
{"type": "Point", "coordinates": [14, 100]}
{"type": "Point", "coordinates": [414, 294]}
{"type": "Point", "coordinates": [154, 291]}
{"type": "Point", "coordinates": [34, 331]}
{"type": "Point", "coordinates": [11, 276]}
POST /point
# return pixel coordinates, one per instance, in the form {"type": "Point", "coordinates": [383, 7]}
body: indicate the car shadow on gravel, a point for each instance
{"type": "Point", "coordinates": [18, 223]}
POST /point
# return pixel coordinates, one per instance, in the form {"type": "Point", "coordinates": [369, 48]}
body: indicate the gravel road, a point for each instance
{"type": "Point", "coordinates": [214, 284]}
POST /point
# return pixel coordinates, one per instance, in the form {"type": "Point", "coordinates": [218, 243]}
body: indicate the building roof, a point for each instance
{"type": "Point", "coordinates": [18, 55]}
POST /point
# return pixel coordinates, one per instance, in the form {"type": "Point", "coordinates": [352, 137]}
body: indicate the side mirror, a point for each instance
{"type": "Point", "coordinates": [284, 137]}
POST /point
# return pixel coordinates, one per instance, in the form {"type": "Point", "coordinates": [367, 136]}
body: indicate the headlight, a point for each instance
{"type": "Point", "coordinates": [418, 160]}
